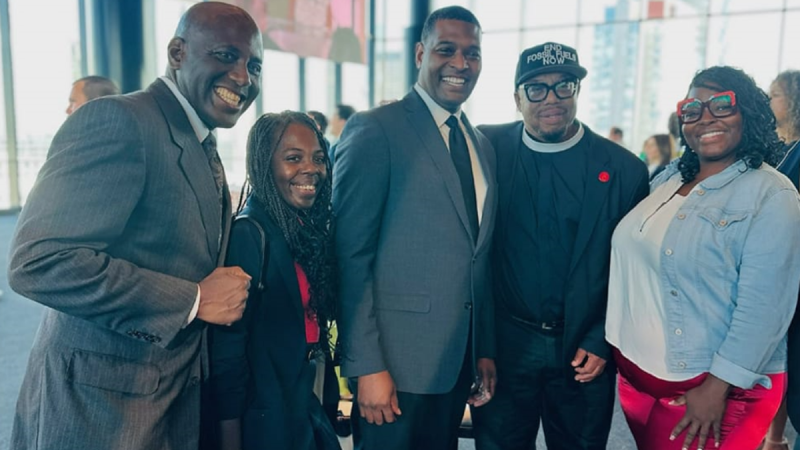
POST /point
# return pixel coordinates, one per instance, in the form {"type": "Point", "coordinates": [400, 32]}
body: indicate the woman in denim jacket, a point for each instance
{"type": "Point", "coordinates": [704, 278]}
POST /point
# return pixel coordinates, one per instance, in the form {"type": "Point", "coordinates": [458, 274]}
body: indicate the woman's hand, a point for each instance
{"type": "Point", "coordinates": [705, 407]}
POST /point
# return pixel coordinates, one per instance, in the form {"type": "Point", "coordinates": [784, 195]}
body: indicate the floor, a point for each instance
{"type": "Point", "coordinates": [19, 319]}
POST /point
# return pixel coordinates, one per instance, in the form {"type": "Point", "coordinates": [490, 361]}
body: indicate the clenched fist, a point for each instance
{"type": "Point", "coordinates": [223, 295]}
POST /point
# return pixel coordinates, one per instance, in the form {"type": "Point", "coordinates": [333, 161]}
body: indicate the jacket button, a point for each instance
{"type": "Point", "coordinates": [723, 222]}
{"type": "Point", "coordinates": [681, 216]}
{"type": "Point", "coordinates": [674, 293]}
{"type": "Point", "coordinates": [468, 305]}
{"type": "Point", "coordinates": [678, 331]}
{"type": "Point", "coordinates": [668, 252]}
{"type": "Point", "coordinates": [682, 365]}
{"type": "Point", "coordinates": [701, 192]}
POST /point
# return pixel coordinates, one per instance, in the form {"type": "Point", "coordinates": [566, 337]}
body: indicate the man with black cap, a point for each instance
{"type": "Point", "coordinates": [562, 190]}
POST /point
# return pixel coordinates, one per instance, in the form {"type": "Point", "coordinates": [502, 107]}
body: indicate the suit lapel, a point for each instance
{"type": "Point", "coordinates": [422, 122]}
{"type": "Point", "coordinates": [599, 177]}
{"type": "Point", "coordinates": [193, 163]}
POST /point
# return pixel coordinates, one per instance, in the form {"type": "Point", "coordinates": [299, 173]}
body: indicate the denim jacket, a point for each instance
{"type": "Point", "coordinates": [730, 272]}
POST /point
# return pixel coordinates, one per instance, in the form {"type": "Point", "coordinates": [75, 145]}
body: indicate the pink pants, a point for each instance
{"type": "Point", "coordinates": [645, 402]}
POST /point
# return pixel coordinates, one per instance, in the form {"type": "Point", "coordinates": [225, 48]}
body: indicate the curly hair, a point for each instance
{"type": "Point", "coordinates": [789, 81]}
{"type": "Point", "coordinates": [309, 233]}
{"type": "Point", "coordinates": [760, 142]}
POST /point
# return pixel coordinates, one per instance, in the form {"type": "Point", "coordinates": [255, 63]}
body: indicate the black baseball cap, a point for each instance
{"type": "Point", "coordinates": [546, 58]}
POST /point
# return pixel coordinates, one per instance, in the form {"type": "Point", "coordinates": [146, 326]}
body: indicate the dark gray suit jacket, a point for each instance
{"type": "Point", "coordinates": [411, 274]}
{"type": "Point", "coordinates": [122, 223]}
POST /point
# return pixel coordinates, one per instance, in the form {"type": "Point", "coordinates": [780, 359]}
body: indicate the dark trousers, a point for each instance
{"type": "Point", "coordinates": [428, 422]}
{"type": "Point", "coordinates": [533, 385]}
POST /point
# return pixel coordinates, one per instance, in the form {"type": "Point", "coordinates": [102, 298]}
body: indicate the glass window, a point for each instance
{"type": "Point", "coordinates": [542, 13]}
{"type": "Point", "coordinates": [606, 11]}
{"type": "Point", "coordinates": [355, 86]}
{"type": "Point", "coordinates": [610, 54]}
{"type": "Point", "coordinates": [670, 56]}
{"type": "Point", "coordinates": [492, 101]}
{"type": "Point", "coordinates": [499, 15]}
{"type": "Point", "coordinates": [390, 71]}
{"type": "Point", "coordinates": [320, 85]}
{"type": "Point", "coordinates": [41, 95]}
{"type": "Point", "coordinates": [791, 36]}
{"type": "Point", "coordinates": [736, 6]}
{"type": "Point", "coordinates": [677, 8]}
{"type": "Point", "coordinates": [730, 42]}
{"type": "Point", "coordinates": [280, 82]}
{"type": "Point", "coordinates": [166, 15]}
{"type": "Point", "coordinates": [392, 18]}
{"type": "Point", "coordinates": [562, 35]}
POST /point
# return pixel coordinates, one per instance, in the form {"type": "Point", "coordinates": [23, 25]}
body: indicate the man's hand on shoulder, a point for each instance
{"type": "Point", "coordinates": [377, 398]}
{"type": "Point", "coordinates": [223, 295]}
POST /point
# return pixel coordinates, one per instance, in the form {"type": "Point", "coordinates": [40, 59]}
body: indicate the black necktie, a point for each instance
{"type": "Point", "coordinates": [460, 154]}
{"type": "Point", "coordinates": [210, 147]}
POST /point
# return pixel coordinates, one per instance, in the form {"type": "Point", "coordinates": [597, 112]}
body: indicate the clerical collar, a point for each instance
{"type": "Point", "coordinates": [200, 129]}
{"type": "Point", "coordinates": [545, 147]}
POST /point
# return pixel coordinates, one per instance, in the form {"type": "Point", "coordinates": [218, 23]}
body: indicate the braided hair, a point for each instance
{"type": "Point", "coordinates": [309, 233]}
{"type": "Point", "coordinates": [760, 142]}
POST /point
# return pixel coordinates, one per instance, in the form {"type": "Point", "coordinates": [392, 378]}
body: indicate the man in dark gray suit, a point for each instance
{"type": "Point", "coordinates": [121, 238]}
{"type": "Point", "coordinates": [415, 195]}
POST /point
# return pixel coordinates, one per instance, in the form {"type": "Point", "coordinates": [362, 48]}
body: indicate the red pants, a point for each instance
{"type": "Point", "coordinates": [645, 402]}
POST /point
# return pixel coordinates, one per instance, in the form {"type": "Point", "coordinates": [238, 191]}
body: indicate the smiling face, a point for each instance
{"type": "Point", "coordinates": [298, 166]}
{"type": "Point", "coordinates": [713, 139]}
{"type": "Point", "coordinates": [449, 62]}
{"type": "Point", "coordinates": [551, 119]}
{"type": "Point", "coordinates": [217, 66]}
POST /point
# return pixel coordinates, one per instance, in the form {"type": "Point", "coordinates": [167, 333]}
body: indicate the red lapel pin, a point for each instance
{"type": "Point", "coordinates": [603, 177]}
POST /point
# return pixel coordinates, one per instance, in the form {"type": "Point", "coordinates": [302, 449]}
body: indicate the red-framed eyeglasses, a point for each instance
{"type": "Point", "coordinates": [722, 104]}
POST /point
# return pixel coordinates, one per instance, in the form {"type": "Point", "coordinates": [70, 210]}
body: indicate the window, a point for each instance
{"type": "Point", "coordinates": [355, 86]}
{"type": "Point", "coordinates": [5, 186]}
{"type": "Point", "coordinates": [492, 101]}
{"type": "Point", "coordinates": [730, 42]}
{"type": "Point", "coordinates": [320, 86]}
{"type": "Point", "coordinates": [790, 59]}
{"type": "Point", "coordinates": [280, 81]}
{"type": "Point", "coordinates": [43, 75]}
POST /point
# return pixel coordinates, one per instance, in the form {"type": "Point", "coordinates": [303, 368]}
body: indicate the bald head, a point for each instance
{"type": "Point", "coordinates": [215, 60]}
{"type": "Point", "coordinates": [204, 16]}
{"type": "Point", "coordinates": [89, 88]}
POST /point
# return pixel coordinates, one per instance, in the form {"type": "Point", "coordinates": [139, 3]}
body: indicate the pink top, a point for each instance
{"type": "Point", "coordinates": [312, 327]}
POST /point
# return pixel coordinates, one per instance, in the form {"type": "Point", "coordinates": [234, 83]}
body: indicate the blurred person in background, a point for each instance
{"type": "Point", "coordinates": [658, 151]}
{"type": "Point", "coordinates": [340, 116]}
{"type": "Point", "coordinates": [704, 278]}
{"type": "Point", "coordinates": [784, 93]}
{"type": "Point", "coordinates": [616, 136]}
{"type": "Point", "coordinates": [89, 88]}
{"type": "Point", "coordinates": [320, 120]}
{"type": "Point", "coordinates": [264, 366]}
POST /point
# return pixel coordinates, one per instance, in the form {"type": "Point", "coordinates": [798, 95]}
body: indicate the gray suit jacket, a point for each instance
{"type": "Point", "coordinates": [411, 274]}
{"type": "Point", "coordinates": [122, 222]}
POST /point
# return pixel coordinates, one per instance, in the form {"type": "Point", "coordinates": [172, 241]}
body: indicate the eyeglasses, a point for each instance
{"type": "Point", "coordinates": [720, 105]}
{"type": "Point", "coordinates": [537, 92]}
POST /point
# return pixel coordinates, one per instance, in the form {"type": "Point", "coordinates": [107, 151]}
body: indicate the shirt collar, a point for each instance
{"type": "Point", "coordinates": [440, 115]}
{"type": "Point", "coordinates": [546, 147]}
{"type": "Point", "coordinates": [200, 128]}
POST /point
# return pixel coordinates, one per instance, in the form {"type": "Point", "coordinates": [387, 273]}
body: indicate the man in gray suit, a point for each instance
{"type": "Point", "coordinates": [121, 237]}
{"type": "Point", "coordinates": [414, 192]}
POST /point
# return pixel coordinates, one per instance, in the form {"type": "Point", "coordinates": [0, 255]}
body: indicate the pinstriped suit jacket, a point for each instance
{"type": "Point", "coordinates": [122, 222]}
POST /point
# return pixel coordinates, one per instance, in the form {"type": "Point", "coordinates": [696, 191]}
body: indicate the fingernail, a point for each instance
{"type": "Point", "coordinates": [671, 437]}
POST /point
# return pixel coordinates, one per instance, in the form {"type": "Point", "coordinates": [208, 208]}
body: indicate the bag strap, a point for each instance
{"type": "Point", "coordinates": [264, 247]}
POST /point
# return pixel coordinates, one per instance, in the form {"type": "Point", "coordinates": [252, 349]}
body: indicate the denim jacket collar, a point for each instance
{"type": "Point", "coordinates": [716, 181]}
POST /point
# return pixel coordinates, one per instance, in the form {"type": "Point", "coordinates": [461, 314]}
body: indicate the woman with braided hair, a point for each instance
{"type": "Point", "coordinates": [704, 278]}
{"type": "Point", "coordinates": [263, 368]}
